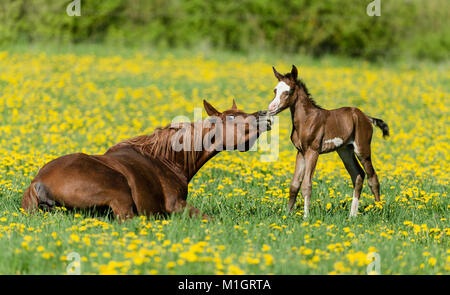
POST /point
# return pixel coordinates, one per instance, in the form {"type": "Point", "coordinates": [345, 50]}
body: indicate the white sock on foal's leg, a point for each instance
{"type": "Point", "coordinates": [306, 211]}
{"type": "Point", "coordinates": [355, 204]}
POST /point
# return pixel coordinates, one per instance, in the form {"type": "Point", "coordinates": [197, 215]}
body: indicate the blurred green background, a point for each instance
{"type": "Point", "coordinates": [406, 28]}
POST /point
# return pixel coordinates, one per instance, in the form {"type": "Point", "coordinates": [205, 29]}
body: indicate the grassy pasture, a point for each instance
{"type": "Point", "coordinates": [54, 103]}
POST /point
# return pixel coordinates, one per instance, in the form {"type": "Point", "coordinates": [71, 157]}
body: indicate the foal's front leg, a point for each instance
{"type": "Point", "coordinates": [310, 161]}
{"type": "Point", "coordinates": [296, 180]}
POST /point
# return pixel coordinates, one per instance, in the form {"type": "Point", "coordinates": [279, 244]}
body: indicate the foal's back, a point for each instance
{"type": "Point", "coordinates": [339, 127]}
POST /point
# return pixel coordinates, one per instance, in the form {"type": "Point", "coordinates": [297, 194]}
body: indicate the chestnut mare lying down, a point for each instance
{"type": "Point", "coordinates": [147, 174]}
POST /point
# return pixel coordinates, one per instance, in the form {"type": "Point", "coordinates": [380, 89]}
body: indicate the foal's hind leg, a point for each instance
{"type": "Point", "coordinates": [356, 173]}
{"type": "Point", "coordinates": [372, 177]}
{"type": "Point", "coordinates": [364, 157]}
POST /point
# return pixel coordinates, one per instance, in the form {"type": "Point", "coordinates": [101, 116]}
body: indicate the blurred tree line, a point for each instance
{"type": "Point", "coordinates": [415, 28]}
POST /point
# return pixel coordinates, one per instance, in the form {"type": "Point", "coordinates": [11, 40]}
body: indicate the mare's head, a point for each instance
{"type": "Point", "coordinates": [234, 129]}
{"type": "Point", "coordinates": [285, 91]}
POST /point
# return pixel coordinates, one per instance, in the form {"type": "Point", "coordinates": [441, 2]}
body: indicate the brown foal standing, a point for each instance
{"type": "Point", "coordinates": [147, 174]}
{"type": "Point", "coordinates": [317, 131]}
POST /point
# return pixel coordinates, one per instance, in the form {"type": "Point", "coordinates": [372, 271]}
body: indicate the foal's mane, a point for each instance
{"type": "Point", "coordinates": [159, 145]}
{"type": "Point", "coordinates": [302, 85]}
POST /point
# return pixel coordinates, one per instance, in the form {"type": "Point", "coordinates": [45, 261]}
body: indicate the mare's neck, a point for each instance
{"type": "Point", "coordinates": [191, 161]}
{"type": "Point", "coordinates": [199, 160]}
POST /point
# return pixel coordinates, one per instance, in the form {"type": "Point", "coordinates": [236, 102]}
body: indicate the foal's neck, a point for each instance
{"type": "Point", "coordinates": [302, 106]}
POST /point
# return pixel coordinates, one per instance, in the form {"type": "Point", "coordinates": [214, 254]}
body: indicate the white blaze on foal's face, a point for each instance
{"type": "Point", "coordinates": [281, 88]}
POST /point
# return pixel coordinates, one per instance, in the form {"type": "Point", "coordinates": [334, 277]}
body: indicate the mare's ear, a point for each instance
{"type": "Point", "coordinates": [234, 107]}
{"type": "Point", "coordinates": [210, 110]}
{"type": "Point", "coordinates": [294, 73]}
{"type": "Point", "coordinates": [278, 75]}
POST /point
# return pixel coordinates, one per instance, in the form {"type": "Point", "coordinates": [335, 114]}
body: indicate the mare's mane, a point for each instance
{"type": "Point", "coordinates": [159, 145]}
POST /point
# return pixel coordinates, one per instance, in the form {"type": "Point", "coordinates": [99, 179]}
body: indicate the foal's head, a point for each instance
{"type": "Point", "coordinates": [285, 91]}
{"type": "Point", "coordinates": [234, 129]}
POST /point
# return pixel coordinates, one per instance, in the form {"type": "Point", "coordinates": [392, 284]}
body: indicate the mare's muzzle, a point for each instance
{"type": "Point", "coordinates": [264, 121]}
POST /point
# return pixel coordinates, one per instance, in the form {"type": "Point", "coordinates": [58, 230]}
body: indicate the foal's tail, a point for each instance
{"type": "Point", "coordinates": [36, 195]}
{"type": "Point", "coordinates": [380, 124]}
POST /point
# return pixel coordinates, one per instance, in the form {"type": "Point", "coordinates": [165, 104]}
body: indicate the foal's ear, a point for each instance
{"type": "Point", "coordinates": [294, 73]}
{"type": "Point", "coordinates": [278, 75]}
{"type": "Point", "coordinates": [210, 110]}
{"type": "Point", "coordinates": [234, 107]}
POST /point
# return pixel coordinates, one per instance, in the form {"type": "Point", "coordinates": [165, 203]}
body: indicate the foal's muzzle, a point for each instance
{"type": "Point", "coordinates": [275, 112]}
